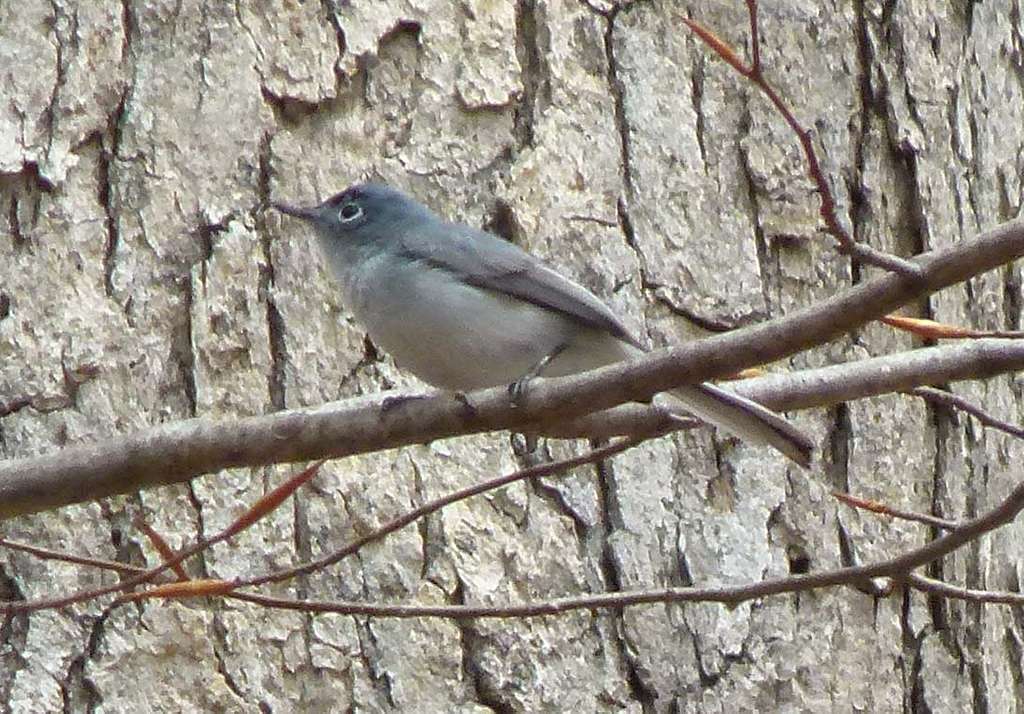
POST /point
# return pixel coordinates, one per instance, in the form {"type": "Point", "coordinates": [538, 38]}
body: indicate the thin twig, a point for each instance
{"type": "Point", "coordinates": [541, 470]}
{"type": "Point", "coordinates": [61, 601]}
{"type": "Point", "coordinates": [162, 547]}
{"type": "Point", "coordinates": [141, 577]}
{"type": "Point", "coordinates": [48, 554]}
{"type": "Point", "coordinates": [899, 567]}
{"type": "Point", "coordinates": [956, 592]}
{"type": "Point", "coordinates": [827, 205]}
{"type": "Point", "coordinates": [885, 510]}
{"type": "Point", "coordinates": [938, 396]}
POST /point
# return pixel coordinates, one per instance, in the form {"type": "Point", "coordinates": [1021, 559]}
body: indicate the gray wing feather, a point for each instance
{"type": "Point", "coordinates": [486, 261]}
{"type": "Point", "coordinates": [490, 263]}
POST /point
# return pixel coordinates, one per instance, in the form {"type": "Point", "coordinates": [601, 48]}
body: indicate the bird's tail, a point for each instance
{"type": "Point", "coordinates": [745, 419]}
{"type": "Point", "coordinates": [719, 407]}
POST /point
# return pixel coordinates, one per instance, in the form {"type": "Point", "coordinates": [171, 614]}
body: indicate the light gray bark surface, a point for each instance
{"type": "Point", "coordinates": [142, 281]}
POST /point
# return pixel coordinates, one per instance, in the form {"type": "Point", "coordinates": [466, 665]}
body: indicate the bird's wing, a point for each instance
{"type": "Point", "coordinates": [486, 261]}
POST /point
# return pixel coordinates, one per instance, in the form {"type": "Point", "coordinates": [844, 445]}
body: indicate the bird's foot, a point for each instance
{"type": "Point", "coordinates": [517, 390]}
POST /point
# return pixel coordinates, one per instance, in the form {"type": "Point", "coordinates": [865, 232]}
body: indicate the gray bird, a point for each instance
{"type": "Point", "coordinates": [463, 309]}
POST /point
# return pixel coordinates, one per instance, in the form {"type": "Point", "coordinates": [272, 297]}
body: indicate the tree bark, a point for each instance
{"type": "Point", "coordinates": [143, 281]}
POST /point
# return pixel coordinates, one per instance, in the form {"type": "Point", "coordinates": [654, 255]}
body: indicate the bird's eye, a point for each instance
{"type": "Point", "coordinates": [350, 212]}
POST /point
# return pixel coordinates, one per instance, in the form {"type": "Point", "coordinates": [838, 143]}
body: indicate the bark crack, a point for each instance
{"type": "Point", "coordinates": [618, 93]}
{"type": "Point", "coordinates": [219, 647]}
{"type": "Point", "coordinates": [611, 520]}
{"type": "Point", "coordinates": [205, 47]}
{"type": "Point", "coordinates": [50, 112]}
{"type": "Point", "coordinates": [911, 661]}
{"type": "Point", "coordinates": [73, 378]}
{"type": "Point", "coordinates": [697, 101]}
{"type": "Point", "coordinates": [840, 438]}
{"type": "Point", "coordinates": [108, 155]}
{"type": "Point", "coordinates": [77, 690]}
{"type": "Point", "coordinates": [13, 638]}
{"type": "Point", "coordinates": [277, 377]}
{"type": "Point", "coordinates": [107, 159]}
{"type": "Point", "coordinates": [197, 507]}
{"type": "Point", "coordinates": [531, 38]}
{"type": "Point", "coordinates": [483, 689]}
{"type": "Point", "coordinates": [183, 347]}
{"type": "Point", "coordinates": [1012, 638]}
{"type": "Point", "coordinates": [768, 264]}
{"type": "Point", "coordinates": [860, 208]}
{"type": "Point", "coordinates": [329, 8]}
{"type": "Point", "coordinates": [380, 681]}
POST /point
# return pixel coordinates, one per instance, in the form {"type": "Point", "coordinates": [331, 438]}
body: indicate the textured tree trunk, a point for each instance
{"type": "Point", "coordinates": [142, 280]}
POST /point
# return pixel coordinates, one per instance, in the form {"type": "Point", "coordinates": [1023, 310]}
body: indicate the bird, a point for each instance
{"type": "Point", "coordinates": [463, 309]}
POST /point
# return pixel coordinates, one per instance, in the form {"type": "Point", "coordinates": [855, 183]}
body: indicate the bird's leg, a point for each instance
{"type": "Point", "coordinates": [517, 390]}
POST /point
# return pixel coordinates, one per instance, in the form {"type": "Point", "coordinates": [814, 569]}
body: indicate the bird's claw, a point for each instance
{"type": "Point", "coordinates": [517, 390]}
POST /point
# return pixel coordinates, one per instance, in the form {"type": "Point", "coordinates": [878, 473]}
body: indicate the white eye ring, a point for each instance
{"type": "Point", "coordinates": [349, 212]}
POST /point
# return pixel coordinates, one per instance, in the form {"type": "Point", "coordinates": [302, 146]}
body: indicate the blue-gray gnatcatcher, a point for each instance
{"type": "Point", "coordinates": [463, 309]}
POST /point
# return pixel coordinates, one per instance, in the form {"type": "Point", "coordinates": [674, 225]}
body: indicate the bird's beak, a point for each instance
{"type": "Point", "coordinates": [306, 214]}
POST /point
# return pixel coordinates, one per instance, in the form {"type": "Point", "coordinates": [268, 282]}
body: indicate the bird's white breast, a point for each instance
{"type": "Point", "coordinates": [457, 336]}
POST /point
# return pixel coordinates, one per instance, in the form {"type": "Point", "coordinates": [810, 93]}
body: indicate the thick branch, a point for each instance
{"type": "Point", "coordinates": [827, 386]}
{"type": "Point", "coordinates": [900, 372]}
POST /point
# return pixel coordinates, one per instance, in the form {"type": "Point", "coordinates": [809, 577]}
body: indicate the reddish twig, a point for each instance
{"type": "Point", "coordinates": [262, 506]}
{"type": "Point", "coordinates": [270, 501]}
{"type": "Point", "coordinates": [755, 38]}
{"type": "Point", "coordinates": [206, 587]}
{"type": "Point", "coordinates": [932, 330]}
{"type": "Point", "coordinates": [162, 547]}
{"type": "Point", "coordinates": [754, 72]}
{"type": "Point", "coordinates": [881, 508]}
